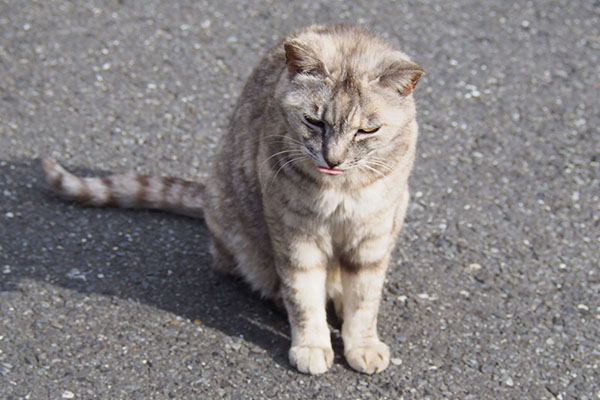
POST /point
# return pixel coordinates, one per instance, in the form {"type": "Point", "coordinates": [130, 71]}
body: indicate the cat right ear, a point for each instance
{"type": "Point", "coordinates": [301, 59]}
{"type": "Point", "coordinates": [403, 76]}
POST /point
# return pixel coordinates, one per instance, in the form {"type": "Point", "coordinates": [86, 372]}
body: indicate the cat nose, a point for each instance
{"type": "Point", "coordinates": [331, 161]}
{"type": "Point", "coordinates": [334, 152]}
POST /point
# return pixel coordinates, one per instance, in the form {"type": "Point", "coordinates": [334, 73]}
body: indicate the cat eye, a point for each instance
{"type": "Point", "coordinates": [314, 124]}
{"type": "Point", "coordinates": [369, 130]}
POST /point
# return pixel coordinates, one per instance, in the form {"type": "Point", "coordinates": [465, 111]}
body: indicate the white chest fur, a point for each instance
{"type": "Point", "coordinates": [338, 205]}
{"type": "Point", "coordinates": [348, 216]}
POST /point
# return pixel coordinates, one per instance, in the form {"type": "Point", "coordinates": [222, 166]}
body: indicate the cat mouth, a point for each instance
{"type": "Point", "coordinates": [330, 171]}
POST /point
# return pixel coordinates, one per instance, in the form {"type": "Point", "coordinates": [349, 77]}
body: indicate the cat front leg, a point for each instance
{"type": "Point", "coordinates": [362, 284]}
{"type": "Point", "coordinates": [303, 275]}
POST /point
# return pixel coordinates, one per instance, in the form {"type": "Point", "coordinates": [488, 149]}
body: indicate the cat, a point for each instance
{"type": "Point", "coordinates": [308, 189]}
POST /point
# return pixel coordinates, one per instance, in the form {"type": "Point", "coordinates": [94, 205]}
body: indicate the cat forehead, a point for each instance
{"type": "Point", "coordinates": [348, 51]}
{"type": "Point", "coordinates": [353, 112]}
{"type": "Point", "coordinates": [355, 107]}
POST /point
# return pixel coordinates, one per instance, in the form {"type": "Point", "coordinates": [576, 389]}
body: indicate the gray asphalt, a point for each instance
{"type": "Point", "coordinates": [494, 292]}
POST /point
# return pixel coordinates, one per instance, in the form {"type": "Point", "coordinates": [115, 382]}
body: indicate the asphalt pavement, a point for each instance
{"type": "Point", "coordinates": [493, 293]}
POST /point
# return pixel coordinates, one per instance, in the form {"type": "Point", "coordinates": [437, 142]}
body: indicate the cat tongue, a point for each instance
{"type": "Point", "coordinates": [330, 171]}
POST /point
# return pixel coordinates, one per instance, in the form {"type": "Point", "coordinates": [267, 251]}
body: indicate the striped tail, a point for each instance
{"type": "Point", "coordinates": [129, 190]}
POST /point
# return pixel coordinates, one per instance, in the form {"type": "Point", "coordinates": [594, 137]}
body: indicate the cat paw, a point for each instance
{"type": "Point", "coordinates": [311, 360]}
{"type": "Point", "coordinates": [371, 358]}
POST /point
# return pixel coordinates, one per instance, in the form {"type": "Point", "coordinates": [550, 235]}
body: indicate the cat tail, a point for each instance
{"type": "Point", "coordinates": [128, 190]}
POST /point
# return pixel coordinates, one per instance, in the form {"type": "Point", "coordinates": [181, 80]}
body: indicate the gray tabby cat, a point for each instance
{"type": "Point", "coordinates": [309, 188]}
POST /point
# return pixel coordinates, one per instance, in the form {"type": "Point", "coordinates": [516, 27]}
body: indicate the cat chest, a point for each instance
{"type": "Point", "coordinates": [345, 218]}
{"type": "Point", "coordinates": [337, 221]}
{"type": "Point", "coordinates": [337, 211]}
{"type": "Point", "coordinates": [337, 205]}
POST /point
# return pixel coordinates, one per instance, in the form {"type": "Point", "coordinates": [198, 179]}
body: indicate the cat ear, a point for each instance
{"type": "Point", "coordinates": [300, 58]}
{"type": "Point", "coordinates": [401, 75]}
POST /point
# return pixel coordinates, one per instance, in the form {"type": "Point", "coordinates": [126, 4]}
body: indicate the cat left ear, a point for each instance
{"type": "Point", "coordinates": [402, 75]}
{"type": "Point", "coordinates": [300, 58]}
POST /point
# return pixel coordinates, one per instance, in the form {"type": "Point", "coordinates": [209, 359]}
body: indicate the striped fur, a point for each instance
{"type": "Point", "coordinates": [308, 190]}
{"type": "Point", "coordinates": [127, 190]}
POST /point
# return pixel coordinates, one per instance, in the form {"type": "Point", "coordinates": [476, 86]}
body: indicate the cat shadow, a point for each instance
{"type": "Point", "coordinates": [152, 257]}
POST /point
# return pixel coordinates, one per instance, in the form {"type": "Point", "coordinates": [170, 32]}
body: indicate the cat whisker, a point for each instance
{"type": "Point", "coordinates": [367, 166]}
{"type": "Point", "coordinates": [292, 151]}
{"type": "Point", "coordinates": [291, 141]}
{"type": "Point", "coordinates": [303, 157]}
{"type": "Point", "coordinates": [380, 163]}
{"type": "Point", "coordinates": [283, 139]}
{"type": "Point", "coordinates": [382, 168]}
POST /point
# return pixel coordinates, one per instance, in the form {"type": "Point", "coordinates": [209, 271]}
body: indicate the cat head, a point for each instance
{"type": "Point", "coordinates": [346, 96]}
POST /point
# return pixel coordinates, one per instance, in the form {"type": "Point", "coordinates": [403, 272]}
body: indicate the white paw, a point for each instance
{"type": "Point", "coordinates": [370, 358]}
{"type": "Point", "coordinates": [311, 360]}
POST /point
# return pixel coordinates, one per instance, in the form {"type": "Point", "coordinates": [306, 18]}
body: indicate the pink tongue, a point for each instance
{"type": "Point", "coordinates": [330, 171]}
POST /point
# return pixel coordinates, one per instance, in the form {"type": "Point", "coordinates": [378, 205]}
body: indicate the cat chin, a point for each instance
{"type": "Point", "coordinates": [330, 171]}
